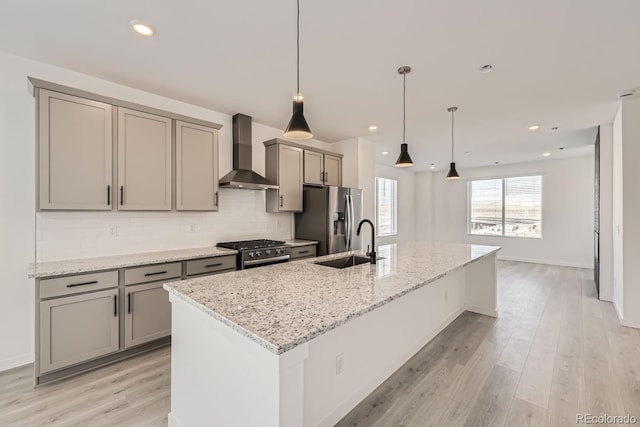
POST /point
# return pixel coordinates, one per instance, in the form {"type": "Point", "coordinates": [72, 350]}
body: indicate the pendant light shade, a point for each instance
{"type": "Point", "coordinates": [453, 173]}
{"type": "Point", "coordinates": [404, 159]}
{"type": "Point", "coordinates": [298, 127]}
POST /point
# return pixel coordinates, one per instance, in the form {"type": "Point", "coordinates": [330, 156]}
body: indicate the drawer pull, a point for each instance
{"type": "Point", "coordinates": [73, 285]}
{"type": "Point", "coordinates": [213, 265]}
{"type": "Point", "coordinates": [155, 274]}
{"type": "Point", "coordinates": [304, 252]}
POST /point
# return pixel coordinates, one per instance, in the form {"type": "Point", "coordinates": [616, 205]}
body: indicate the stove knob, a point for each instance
{"type": "Point", "coordinates": [251, 254]}
{"type": "Point", "coordinates": [279, 251]}
{"type": "Point", "coordinates": [268, 252]}
{"type": "Point", "coordinates": [258, 254]}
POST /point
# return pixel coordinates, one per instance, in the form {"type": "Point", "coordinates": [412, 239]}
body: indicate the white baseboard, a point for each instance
{"type": "Point", "coordinates": [545, 261]}
{"type": "Point", "coordinates": [343, 409]}
{"type": "Point", "coordinates": [16, 361]}
{"type": "Point", "coordinates": [618, 312]}
{"type": "Point", "coordinates": [605, 297]}
{"type": "Point", "coordinates": [171, 421]}
{"type": "Point", "coordinates": [481, 310]}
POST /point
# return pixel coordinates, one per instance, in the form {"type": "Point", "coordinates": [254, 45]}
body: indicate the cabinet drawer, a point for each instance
{"type": "Point", "coordinates": [70, 285]}
{"type": "Point", "coordinates": [152, 273]}
{"type": "Point", "coordinates": [303, 251]}
{"type": "Point", "coordinates": [211, 265]}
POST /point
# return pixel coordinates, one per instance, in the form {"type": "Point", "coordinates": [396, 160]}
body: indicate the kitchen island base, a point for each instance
{"type": "Point", "coordinates": [220, 377]}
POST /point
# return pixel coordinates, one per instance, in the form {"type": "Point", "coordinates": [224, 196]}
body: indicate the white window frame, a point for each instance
{"type": "Point", "coordinates": [503, 178]}
{"type": "Point", "coordinates": [394, 213]}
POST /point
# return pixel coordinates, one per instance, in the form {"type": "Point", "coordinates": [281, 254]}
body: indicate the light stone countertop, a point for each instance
{"type": "Point", "coordinates": [75, 266]}
{"type": "Point", "coordinates": [299, 242]}
{"type": "Point", "coordinates": [284, 305]}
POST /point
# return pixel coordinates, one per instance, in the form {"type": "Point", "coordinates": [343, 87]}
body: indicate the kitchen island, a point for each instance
{"type": "Point", "coordinates": [300, 344]}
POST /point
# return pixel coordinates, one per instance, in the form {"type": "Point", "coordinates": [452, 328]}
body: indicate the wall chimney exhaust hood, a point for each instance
{"type": "Point", "coordinates": [242, 176]}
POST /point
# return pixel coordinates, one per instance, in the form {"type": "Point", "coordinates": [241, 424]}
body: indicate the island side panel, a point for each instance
{"type": "Point", "coordinates": [482, 286]}
{"type": "Point", "coordinates": [374, 346]}
{"type": "Point", "coordinates": [221, 378]}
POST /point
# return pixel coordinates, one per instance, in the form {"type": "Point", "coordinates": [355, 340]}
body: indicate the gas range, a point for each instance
{"type": "Point", "coordinates": [256, 253]}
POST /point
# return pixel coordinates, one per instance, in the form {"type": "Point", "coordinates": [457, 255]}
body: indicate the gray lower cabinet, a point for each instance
{"type": "Point", "coordinates": [78, 328]}
{"type": "Point", "coordinates": [147, 313]}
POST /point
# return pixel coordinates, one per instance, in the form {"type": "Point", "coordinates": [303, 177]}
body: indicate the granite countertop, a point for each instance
{"type": "Point", "coordinates": [284, 305]}
{"type": "Point", "coordinates": [299, 242]}
{"type": "Point", "coordinates": [74, 266]}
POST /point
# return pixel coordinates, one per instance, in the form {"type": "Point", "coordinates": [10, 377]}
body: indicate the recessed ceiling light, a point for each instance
{"type": "Point", "coordinates": [373, 128]}
{"type": "Point", "coordinates": [486, 69]}
{"type": "Point", "coordinates": [142, 28]}
{"type": "Point", "coordinates": [534, 127]}
{"type": "Point", "coordinates": [432, 166]}
{"type": "Point", "coordinates": [554, 128]}
{"type": "Point", "coordinates": [496, 163]}
{"type": "Point", "coordinates": [546, 154]}
{"type": "Point", "coordinates": [626, 93]}
{"type": "Point", "coordinates": [384, 153]}
{"type": "Point", "coordinates": [561, 148]}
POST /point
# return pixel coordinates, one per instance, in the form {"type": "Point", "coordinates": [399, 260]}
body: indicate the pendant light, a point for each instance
{"type": "Point", "coordinates": [404, 159]}
{"type": "Point", "coordinates": [298, 127]}
{"type": "Point", "coordinates": [453, 173]}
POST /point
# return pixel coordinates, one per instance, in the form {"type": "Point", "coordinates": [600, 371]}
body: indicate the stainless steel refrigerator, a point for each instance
{"type": "Point", "coordinates": [330, 216]}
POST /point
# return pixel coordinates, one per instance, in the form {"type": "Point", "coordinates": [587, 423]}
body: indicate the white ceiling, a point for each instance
{"type": "Point", "coordinates": [556, 63]}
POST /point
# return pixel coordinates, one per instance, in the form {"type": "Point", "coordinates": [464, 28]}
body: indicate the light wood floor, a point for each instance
{"type": "Point", "coordinates": [554, 352]}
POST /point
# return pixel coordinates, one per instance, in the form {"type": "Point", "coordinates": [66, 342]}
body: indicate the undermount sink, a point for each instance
{"type": "Point", "coordinates": [344, 262]}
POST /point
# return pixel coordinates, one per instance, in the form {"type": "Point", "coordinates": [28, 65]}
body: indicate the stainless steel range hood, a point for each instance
{"type": "Point", "coordinates": [242, 176]}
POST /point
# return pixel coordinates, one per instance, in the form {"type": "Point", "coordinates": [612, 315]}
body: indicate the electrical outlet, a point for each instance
{"type": "Point", "coordinates": [339, 364]}
{"type": "Point", "coordinates": [113, 231]}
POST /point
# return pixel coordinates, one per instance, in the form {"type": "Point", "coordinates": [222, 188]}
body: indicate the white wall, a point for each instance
{"type": "Point", "coordinates": [406, 203]}
{"type": "Point", "coordinates": [567, 211]}
{"type": "Point", "coordinates": [617, 239]}
{"type": "Point", "coordinates": [606, 212]}
{"type": "Point", "coordinates": [627, 212]}
{"type": "Point", "coordinates": [88, 234]}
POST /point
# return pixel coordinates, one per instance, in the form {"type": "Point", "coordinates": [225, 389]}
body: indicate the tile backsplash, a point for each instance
{"type": "Point", "coordinates": [70, 235]}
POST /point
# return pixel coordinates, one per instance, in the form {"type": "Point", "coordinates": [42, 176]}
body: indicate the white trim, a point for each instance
{"type": "Point", "coordinates": [605, 297]}
{"type": "Point", "coordinates": [16, 361]}
{"type": "Point", "coordinates": [481, 310]}
{"type": "Point", "coordinates": [172, 421]}
{"type": "Point", "coordinates": [546, 261]}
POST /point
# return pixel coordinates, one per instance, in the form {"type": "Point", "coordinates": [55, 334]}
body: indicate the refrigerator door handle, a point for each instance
{"type": "Point", "coordinates": [347, 220]}
{"type": "Point", "coordinates": [352, 216]}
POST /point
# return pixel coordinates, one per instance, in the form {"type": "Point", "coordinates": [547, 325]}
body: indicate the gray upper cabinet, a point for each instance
{"type": "Point", "coordinates": [313, 168]}
{"type": "Point", "coordinates": [284, 166]}
{"type": "Point", "coordinates": [75, 152]}
{"type": "Point", "coordinates": [144, 161]}
{"type": "Point", "coordinates": [322, 169]}
{"type": "Point", "coordinates": [332, 170]}
{"type": "Point", "coordinates": [196, 167]}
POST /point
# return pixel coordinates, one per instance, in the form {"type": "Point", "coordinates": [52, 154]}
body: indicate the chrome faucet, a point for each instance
{"type": "Point", "coordinates": [372, 254]}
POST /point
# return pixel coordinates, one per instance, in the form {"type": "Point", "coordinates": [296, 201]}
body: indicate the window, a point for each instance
{"type": "Point", "coordinates": [509, 207]}
{"type": "Point", "coordinates": [386, 206]}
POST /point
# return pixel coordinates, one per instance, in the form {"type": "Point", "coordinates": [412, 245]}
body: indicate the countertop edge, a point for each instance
{"type": "Point", "coordinates": [278, 350]}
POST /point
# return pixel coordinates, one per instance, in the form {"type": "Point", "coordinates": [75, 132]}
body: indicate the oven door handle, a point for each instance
{"type": "Point", "coordinates": [267, 260]}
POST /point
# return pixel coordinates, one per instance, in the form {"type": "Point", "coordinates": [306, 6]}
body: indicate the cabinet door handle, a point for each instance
{"type": "Point", "coordinates": [213, 265]}
{"type": "Point", "coordinates": [155, 274]}
{"type": "Point", "coordinates": [108, 195]}
{"type": "Point", "coordinates": [129, 302]}
{"type": "Point", "coordinates": [281, 200]}
{"type": "Point", "coordinates": [326, 177]}
{"type": "Point", "coordinates": [115, 306]}
{"type": "Point", "coordinates": [322, 176]}
{"type": "Point", "coordinates": [216, 198]}
{"type": "Point", "coordinates": [121, 195]}
{"type": "Point", "coordinates": [73, 285]}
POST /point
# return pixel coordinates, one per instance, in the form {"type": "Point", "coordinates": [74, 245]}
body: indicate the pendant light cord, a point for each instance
{"type": "Point", "coordinates": [298, 52]}
{"type": "Point", "coordinates": [404, 107]}
{"type": "Point", "coordinates": [452, 113]}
